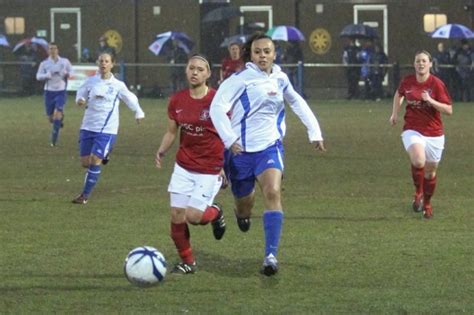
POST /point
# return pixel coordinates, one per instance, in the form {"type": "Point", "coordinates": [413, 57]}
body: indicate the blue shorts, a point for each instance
{"type": "Point", "coordinates": [54, 100]}
{"type": "Point", "coordinates": [99, 144]}
{"type": "Point", "coordinates": [243, 169]}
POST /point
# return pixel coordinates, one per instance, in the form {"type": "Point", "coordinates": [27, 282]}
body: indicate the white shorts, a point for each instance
{"type": "Point", "coordinates": [191, 189]}
{"type": "Point", "coordinates": [434, 146]}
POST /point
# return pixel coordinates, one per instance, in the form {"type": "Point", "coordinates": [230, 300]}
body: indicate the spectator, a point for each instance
{"type": "Point", "coordinates": [464, 60]}
{"type": "Point", "coordinates": [442, 58]}
{"type": "Point", "coordinates": [232, 63]}
{"type": "Point", "coordinates": [350, 57]}
{"type": "Point", "coordinates": [28, 68]}
{"type": "Point", "coordinates": [105, 48]}
{"type": "Point", "coordinates": [177, 56]}
{"type": "Point", "coordinates": [293, 55]}
{"type": "Point", "coordinates": [377, 72]}
{"type": "Point", "coordinates": [364, 58]}
{"type": "Point", "coordinates": [86, 56]}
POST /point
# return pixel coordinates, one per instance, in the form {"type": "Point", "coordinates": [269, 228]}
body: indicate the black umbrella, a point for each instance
{"type": "Point", "coordinates": [235, 39]}
{"type": "Point", "coordinates": [358, 31]}
{"type": "Point", "coordinates": [222, 13]}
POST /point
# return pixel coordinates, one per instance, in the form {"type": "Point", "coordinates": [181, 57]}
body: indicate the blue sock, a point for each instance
{"type": "Point", "coordinates": [92, 177]}
{"type": "Point", "coordinates": [55, 131]}
{"type": "Point", "coordinates": [272, 223]}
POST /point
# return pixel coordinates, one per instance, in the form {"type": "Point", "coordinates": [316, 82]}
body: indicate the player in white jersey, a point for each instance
{"type": "Point", "coordinates": [54, 71]}
{"type": "Point", "coordinates": [255, 99]}
{"type": "Point", "coordinates": [101, 96]}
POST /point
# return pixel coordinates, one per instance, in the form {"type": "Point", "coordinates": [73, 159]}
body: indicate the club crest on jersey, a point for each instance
{"type": "Point", "coordinates": [281, 84]}
{"type": "Point", "coordinates": [204, 114]}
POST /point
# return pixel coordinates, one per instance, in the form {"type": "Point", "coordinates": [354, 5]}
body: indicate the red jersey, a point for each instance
{"type": "Point", "coordinates": [200, 148]}
{"type": "Point", "coordinates": [419, 115]}
{"type": "Point", "coordinates": [230, 66]}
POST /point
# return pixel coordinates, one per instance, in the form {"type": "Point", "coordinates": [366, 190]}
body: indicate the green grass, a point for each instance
{"type": "Point", "coordinates": [350, 242]}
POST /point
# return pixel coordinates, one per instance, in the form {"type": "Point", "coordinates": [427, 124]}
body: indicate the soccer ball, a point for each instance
{"type": "Point", "coordinates": [145, 266]}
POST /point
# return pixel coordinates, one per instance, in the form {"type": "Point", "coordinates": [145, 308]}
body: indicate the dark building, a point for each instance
{"type": "Point", "coordinates": [131, 26]}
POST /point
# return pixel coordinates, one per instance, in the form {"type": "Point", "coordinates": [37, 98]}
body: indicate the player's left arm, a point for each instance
{"type": "Point", "coordinates": [441, 107]}
{"type": "Point", "coordinates": [67, 70]}
{"type": "Point", "coordinates": [301, 108]}
{"type": "Point", "coordinates": [131, 100]}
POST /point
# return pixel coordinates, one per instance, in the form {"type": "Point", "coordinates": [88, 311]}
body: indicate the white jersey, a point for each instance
{"type": "Point", "coordinates": [256, 103]}
{"type": "Point", "coordinates": [54, 73]}
{"type": "Point", "coordinates": [102, 108]}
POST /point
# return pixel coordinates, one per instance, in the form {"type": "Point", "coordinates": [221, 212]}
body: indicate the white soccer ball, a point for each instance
{"type": "Point", "coordinates": [145, 266]}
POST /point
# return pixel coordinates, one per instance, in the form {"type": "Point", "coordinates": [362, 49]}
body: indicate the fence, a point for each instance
{"type": "Point", "coordinates": [313, 80]}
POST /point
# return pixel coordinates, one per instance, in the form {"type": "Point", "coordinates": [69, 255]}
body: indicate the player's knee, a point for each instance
{"type": "Point", "coordinates": [193, 216]}
{"type": "Point", "coordinates": [272, 194]}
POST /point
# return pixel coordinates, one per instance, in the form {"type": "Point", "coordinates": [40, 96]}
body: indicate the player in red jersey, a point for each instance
{"type": "Point", "coordinates": [197, 177]}
{"type": "Point", "coordinates": [231, 63]}
{"type": "Point", "coordinates": [427, 98]}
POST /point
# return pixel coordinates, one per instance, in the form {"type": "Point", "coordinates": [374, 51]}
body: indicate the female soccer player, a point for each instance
{"type": "Point", "coordinates": [54, 71]}
{"type": "Point", "coordinates": [423, 136]}
{"type": "Point", "coordinates": [196, 178]}
{"type": "Point", "coordinates": [102, 95]}
{"type": "Point", "coordinates": [255, 99]}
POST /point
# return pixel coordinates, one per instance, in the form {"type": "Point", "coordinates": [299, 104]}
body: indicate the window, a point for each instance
{"type": "Point", "coordinates": [432, 21]}
{"type": "Point", "coordinates": [14, 25]}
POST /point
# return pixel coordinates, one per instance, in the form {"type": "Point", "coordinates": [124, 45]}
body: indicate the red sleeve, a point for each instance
{"type": "Point", "coordinates": [171, 108]}
{"type": "Point", "coordinates": [402, 87]}
{"type": "Point", "coordinates": [442, 94]}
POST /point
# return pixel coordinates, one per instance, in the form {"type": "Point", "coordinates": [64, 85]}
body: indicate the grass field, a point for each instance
{"type": "Point", "coordinates": [351, 243]}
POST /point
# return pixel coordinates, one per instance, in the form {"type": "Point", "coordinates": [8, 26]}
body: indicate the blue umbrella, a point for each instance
{"type": "Point", "coordinates": [358, 31]}
{"type": "Point", "coordinates": [163, 40]}
{"type": "Point", "coordinates": [3, 41]}
{"type": "Point", "coordinates": [453, 31]}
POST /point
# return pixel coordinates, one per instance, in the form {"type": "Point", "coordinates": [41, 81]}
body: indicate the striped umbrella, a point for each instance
{"type": "Point", "coordinates": [285, 33]}
{"type": "Point", "coordinates": [3, 41]}
{"type": "Point", "coordinates": [453, 31]}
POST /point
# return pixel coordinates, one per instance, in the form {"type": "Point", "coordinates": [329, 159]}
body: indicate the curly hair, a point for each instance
{"type": "Point", "coordinates": [247, 47]}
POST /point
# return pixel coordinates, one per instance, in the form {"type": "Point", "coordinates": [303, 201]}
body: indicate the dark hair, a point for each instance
{"type": "Point", "coordinates": [203, 58]}
{"type": "Point", "coordinates": [247, 47]}
{"type": "Point", "coordinates": [112, 57]}
{"type": "Point", "coordinates": [422, 51]}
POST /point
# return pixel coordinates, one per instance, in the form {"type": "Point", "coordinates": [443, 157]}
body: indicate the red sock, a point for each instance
{"type": "Point", "coordinates": [181, 237]}
{"type": "Point", "coordinates": [418, 175]}
{"type": "Point", "coordinates": [209, 215]}
{"type": "Point", "coordinates": [428, 190]}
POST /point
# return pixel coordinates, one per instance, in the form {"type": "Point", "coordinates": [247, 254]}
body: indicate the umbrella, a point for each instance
{"type": "Point", "coordinates": [453, 31]}
{"type": "Point", "coordinates": [222, 13]}
{"type": "Point", "coordinates": [39, 42]}
{"type": "Point", "coordinates": [163, 40]}
{"type": "Point", "coordinates": [285, 33]}
{"type": "Point", "coordinates": [358, 31]}
{"type": "Point", "coordinates": [235, 39]}
{"type": "Point", "coordinates": [4, 41]}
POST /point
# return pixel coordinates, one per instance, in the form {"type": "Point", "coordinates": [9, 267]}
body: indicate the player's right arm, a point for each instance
{"type": "Point", "coordinates": [397, 105]}
{"type": "Point", "coordinates": [167, 141]}
{"type": "Point", "coordinates": [42, 73]}
{"type": "Point", "coordinates": [82, 94]}
{"type": "Point", "coordinates": [227, 94]}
